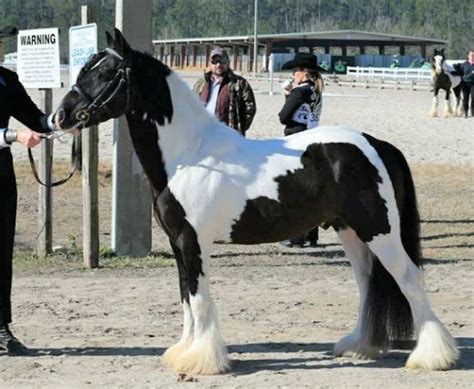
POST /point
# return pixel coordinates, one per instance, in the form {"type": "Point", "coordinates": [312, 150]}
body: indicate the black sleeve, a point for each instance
{"type": "Point", "coordinates": [292, 103]}
{"type": "Point", "coordinates": [24, 109]}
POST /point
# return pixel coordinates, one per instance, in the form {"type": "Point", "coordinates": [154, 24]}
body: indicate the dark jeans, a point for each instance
{"type": "Point", "coordinates": [8, 202]}
{"type": "Point", "coordinates": [468, 89]}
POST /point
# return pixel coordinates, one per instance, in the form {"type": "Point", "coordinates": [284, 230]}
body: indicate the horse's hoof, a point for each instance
{"type": "Point", "coordinates": [351, 346]}
{"type": "Point", "coordinates": [205, 356]}
{"type": "Point", "coordinates": [172, 354]}
{"type": "Point", "coordinates": [435, 350]}
{"type": "Point", "coordinates": [202, 362]}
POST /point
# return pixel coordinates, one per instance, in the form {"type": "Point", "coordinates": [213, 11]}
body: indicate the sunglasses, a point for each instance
{"type": "Point", "coordinates": [221, 60]}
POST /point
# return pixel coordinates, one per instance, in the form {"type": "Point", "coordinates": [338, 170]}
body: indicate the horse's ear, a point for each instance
{"type": "Point", "coordinates": [121, 46]}
{"type": "Point", "coordinates": [110, 40]}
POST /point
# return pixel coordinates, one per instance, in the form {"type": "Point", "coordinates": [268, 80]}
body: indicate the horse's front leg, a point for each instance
{"type": "Point", "coordinates": [174, 352]}
{"type": "Point", "coordinates": [448, 111]}
{"type": "Point", "coordinates": [207, 353]}
{"type": "Point", "coordinates": [434, 104]}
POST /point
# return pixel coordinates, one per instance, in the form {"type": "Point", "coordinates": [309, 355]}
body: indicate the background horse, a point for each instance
{"type": "Point", "coordinates": [211, 184]}
{"type": "Point", "coordinates": [444, 77]}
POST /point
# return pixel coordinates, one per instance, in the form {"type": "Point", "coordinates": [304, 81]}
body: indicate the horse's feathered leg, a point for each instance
{"type": "Point", "coordinates": [448, 111]}
{"type": "Point", "coordinates": [435, 349]}
{"type": "Point", "coordinates": [457, 93]}
{"type": "Point", "coordinates": [434, 104]}
{"type": "Point", "coordinates": [399, 253]}
{"type": "Point", "coordinates": [207, 353]}
{"type": "Point", "coordinates": [357, 344]}
{"type": "Point", "coordinates": [172, 354]}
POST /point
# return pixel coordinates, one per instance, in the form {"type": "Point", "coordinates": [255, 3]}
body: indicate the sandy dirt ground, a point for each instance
{"type": "Point", "coordinates": [280, 309]}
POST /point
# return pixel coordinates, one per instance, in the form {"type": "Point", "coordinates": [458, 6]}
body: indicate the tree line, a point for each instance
{"type": "Point", "coordinates": [451, 20]}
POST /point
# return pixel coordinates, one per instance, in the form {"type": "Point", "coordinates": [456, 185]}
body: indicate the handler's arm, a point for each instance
{"type": "Point", "coordinates": [293, 101]}
{"type": "Point", "coordinates": [26, 111]}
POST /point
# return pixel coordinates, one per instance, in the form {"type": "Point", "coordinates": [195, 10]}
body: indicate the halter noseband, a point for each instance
{"type": "Point", "coordinates": [121, 79]}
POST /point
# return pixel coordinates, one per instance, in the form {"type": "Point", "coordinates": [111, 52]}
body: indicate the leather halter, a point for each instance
{"type": "Point", "coordinates": [113, 87]}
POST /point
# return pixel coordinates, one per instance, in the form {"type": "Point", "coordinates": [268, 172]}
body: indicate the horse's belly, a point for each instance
{"type": "Point", "coordinates": [265, 220]}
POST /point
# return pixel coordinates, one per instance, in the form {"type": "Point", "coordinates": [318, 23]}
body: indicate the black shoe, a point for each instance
{"type": "Point", "coordinates": [313, 243]}
{"type": "Point", "coordinates": [10, 344]}
{"type": "Point", "coordinates": [286, 243]}
{"type": "Point", "coordinates": [299, 242]}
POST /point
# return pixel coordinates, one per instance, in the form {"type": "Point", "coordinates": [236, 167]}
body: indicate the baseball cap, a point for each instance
{"type": "Point", "coordinates": [219, 51]}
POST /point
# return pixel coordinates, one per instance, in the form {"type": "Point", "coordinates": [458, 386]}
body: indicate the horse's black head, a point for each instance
{"type": "Point", "coordinates": [102, 90]}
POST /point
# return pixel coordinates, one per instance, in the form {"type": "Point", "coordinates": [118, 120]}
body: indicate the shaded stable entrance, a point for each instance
{"type": "Point", "coordinates": [6, 32]}
{"type": "Point", "coordinates": [194, 52]}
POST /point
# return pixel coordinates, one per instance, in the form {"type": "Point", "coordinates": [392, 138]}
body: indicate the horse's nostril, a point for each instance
{"type": "Point", "coordinates": [60, 115]}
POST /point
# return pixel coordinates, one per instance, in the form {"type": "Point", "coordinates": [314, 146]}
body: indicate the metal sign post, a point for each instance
{"type": "Point", "coordinates": [38, 66]}
{"type": "Point", "coordinates": [82, 44]}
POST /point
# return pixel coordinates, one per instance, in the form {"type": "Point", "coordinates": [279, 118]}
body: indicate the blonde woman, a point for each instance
{"type": "Point", "coordinates": [301, 111]}
{"type": "Point", "coordinates": [302, 108]}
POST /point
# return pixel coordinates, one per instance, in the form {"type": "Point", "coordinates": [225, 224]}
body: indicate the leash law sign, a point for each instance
{"type": "Point", "coordinates": [82, 44]}
{"type": "Point", "coordinates": [38, 58]}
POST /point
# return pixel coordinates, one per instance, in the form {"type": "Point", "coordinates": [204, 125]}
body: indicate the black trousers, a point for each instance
{"type": "Point", "coordinates": [468, 89]}
{"type": "Point", "coordinates": [8, 203]}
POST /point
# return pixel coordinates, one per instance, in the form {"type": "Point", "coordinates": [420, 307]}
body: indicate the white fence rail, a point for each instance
{"type": "Point", "coordinates": [397, 74]}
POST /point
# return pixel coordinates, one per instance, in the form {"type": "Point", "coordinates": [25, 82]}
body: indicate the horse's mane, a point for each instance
{"type": "Point", "coordinates": [149, 80]}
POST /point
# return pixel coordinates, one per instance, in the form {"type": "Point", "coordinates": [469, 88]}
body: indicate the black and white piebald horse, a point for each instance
{"type": "Point", "coordinates": [443, 76]}
{"type": "Point", "coordinates": [211, 184]}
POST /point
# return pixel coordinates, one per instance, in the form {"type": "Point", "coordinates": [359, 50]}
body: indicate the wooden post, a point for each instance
{"type": "Point", "coordinates": [268, 53]}
{"type": "Point", "coordinates": [2, 51]}
{"type": "Point", "coordinates": [183, 56]}
{"type": "Point", "coordinates": [90, 187]}
{"type": "Point", "coordinates": [45, 200]}
{"type": "Point", "coordinates": [131, 198]}
{"type": "Point", "coordinates": [235, 56]}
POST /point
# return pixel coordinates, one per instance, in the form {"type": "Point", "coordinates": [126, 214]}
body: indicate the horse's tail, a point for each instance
{"type": "Point", "coordinates": [387, 312]}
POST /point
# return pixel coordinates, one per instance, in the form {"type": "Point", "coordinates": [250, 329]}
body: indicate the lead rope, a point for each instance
{"type": "Point", "coordinates": [56, 183]}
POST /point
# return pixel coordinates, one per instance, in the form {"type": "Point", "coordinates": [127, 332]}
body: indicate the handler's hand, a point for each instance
{"type": "Point", "coordinates": [28, 138]}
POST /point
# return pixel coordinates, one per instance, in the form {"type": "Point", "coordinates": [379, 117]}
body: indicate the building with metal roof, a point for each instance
{"type": "Point", "coordinates": [6, 32]}
{"type": "Point", "coordinates": [194, 52]}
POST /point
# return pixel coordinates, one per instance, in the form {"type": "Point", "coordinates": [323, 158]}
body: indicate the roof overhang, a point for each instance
{"type": "Point", "coordinates": [372, 38]}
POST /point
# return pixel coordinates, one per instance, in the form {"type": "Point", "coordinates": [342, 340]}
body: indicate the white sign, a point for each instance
{"type": "Point", "coordinates": [82, 44]}
{"type": "Point", "coordinates": [38, 58]}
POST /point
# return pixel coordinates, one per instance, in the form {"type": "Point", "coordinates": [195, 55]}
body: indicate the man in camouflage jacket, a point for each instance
{"type": "Point", "coordinates": [226, 95]}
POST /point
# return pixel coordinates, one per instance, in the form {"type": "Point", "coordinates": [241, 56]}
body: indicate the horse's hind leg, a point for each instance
{"type": "Point", "coordinates": [457, 93]}
{"type": "Point", "coordinates": [356, 344]}
{"type": "Point", "coordinates": [435, 349]}
{"type": "Point", "coordinates": [174, 352]}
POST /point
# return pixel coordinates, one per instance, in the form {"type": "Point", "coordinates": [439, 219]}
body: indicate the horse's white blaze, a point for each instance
{"type": "Point", "coordinates": [98, 63]}
{"type": "Point", "coordinates": [438, 62]}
